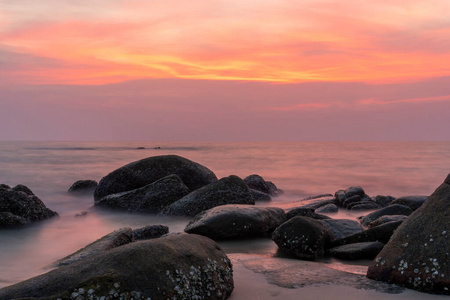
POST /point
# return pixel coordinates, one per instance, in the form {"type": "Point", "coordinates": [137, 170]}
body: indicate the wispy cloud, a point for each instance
{"type": "Point", "coordinates": [400, 101]}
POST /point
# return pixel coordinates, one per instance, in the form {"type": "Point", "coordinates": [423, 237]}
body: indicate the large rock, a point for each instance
{"type": "Point", "coordinates": [341, 228]}
{"type": "Point", "coordinates": [381, 233]}
{"type": "Point", "coordinates": [258, 183]}
{"type": "Point", "coordinates": [417, 256]}
{"type": "Point", "coordinates": [151, 198]}
{"type": "Point", "coordinates": [413, 202]}
{"type": "Point", "coordinates": [302, 237]}
{"type": "Point", "coordinates": [142, 172]}
{"type": "Point", "coordinates": [237, 221]}
{"type": "Point", "coordinates": [387, 219]}
{"type": "Point", "coordinates": [180, 266]}
{"type": "Point", "coordinates": [228, 190]}
{"type": "Point", "coordinates": [19, 206]}
{"type": "Point", "coordinates": [83, 186]}
{"type": "Point", "coordinates": [367, 250]}
{"type": "Point", "coordinates": [115, 239]}
{"type": "Point", "coordinates": [395, 209]}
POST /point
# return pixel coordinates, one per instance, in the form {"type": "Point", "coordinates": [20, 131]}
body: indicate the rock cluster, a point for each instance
{"type": "Point", "coordinates": [174, 185]}
{"type": "Point", "coordinates": [20, 206]}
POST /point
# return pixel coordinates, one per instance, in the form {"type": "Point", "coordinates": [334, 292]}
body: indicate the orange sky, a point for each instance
{"type": "Point", "coordinates": [95, 42]}
{"type": "Point", "coordinates": [187, 70]}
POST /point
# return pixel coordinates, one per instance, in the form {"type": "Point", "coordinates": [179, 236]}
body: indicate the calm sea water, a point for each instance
{"type": "Point", "coordinates": [300, 169]}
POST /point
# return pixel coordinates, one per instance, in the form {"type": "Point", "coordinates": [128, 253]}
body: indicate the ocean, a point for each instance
{"type": "Point", "coordinates": [301, 169]}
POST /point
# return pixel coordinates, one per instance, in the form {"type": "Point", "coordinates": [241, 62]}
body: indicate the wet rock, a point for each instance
{"type": "Point", "coordinates": [237, 221]}
{"type": "Point", "coordinates": [185, 266]}
{"type": "Point", "coordinates": [143, 172]}
{"type": "Point", "coordinates": [417, 255]}
{"type": "Point", "coordinates": [395, 209]}
{"type": "Point", "coordinates": [19, 206]}
{"type": "Point", "coordinates": [381, 233]}
{"type": "Point", "coordinates": [83, 186]}
{"type": "Point", "coordinates": [151, 198]}
{"type": "Point", "coordinates": [150, 232]}
{"type": "Point", "coordinates": [112, 240]}
{"type": "Point", "coordinates": [317, 201]}
{"type": "Point", "coordinates": [305, 212]}
{"type": "Point", "coordinates": [367, 250]}
{"type": "Point", "coordinates": [364, 205]}
{"type": "Point", "coordinates": [302, 237]}
{"type": "Point", "coordinates": [386, 219]}
{"type": "Point", "coordinates": [413, 202]}
{"type": "Point", "coordinates": [258, 183]}
{"type": "Point", "coordinates": [259, 196]}
{"type": "Point", "coordinates": [228, 190]}
{"type": "Point", "coordinates": [327, 209]}
{"type": "Point", "coordinates": [383, 201]}
{"type": "Point", "coordinates": [343, 195]}
{"type": "Point", "coordinates": [341, 228]}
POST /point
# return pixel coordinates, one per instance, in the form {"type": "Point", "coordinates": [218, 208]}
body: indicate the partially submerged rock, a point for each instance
{"type": "Point", "coordinates": [19, 206]}
{"type": "Point", "coordinates": [83, 186]}
{"type": "Point", "coordinates": [327, 209]}
{"type": "Point", "coordinates": [302, 237]}
{"type": "Point", "coordinates": [259, 196]}
{"type": "Point", "coordinates": [341, 228]}
{"type": "Point", "coordinates": [395, 209]}
{"type": "Point", "coordinates": [386, 219]}
{"type": "Point", "coordinates": [413, 202]}
{"type": "Point", "coordinates": [258, 183]}
{"type": "Point", "coordinates": [366, 250]}
{"type": "Point", "coordinates": [184, 266]}
{"type": "Point", "coordinates": [381, 233]}
{"type": "Point", "coordinates": [151, 198]}
{"type": "Point", "coordinates": [237, 221]}
{"type": "Point", "coordinates": [145, 171]}
{"type": "Point", "coordinates": [417, 255]}
{"type": "Point", "coordinates": [228, 190]}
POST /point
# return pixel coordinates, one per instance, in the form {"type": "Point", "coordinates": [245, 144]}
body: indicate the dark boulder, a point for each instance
{"type": "Point", "coordinates": [237, 221]}
{"type": "Point", "coordinates": [228, 190]}
{"type": "Point", "coordinates": [417, 255]}
{"type": "Point", "coordinates": [112, 240]}
{"type": "Point", "coordinates": [367, 250]}
{"type": "Point", "coordinates": [145, 171]}
{"type": "Point", "coordinates": [381, 233]}
{"type": "Point", "coordinates": [83, 186]}
{"type": "Point", "coordinates": [150, 232]}
{"type": "Point", "coordinates": [341, 228]}
{"type": "Point", "coordinates": [395, 209]}
{"type": "Point", "coordinates": [19, 206]}
{"type": "Point", "coordinates": [350, 200]}
{"type": "Point", "coordinates": [364, 205]}
{"type": "Point", "coordinates": [413, 202]}
{"type": "Point", "coordinates": [383, 201]}
{"type": "Point", "coordinates": [151, 198]}
{"type": "Point", "coordinates": [184, 266]}
{"type": "Point", "coordinates": [386, 219]}
{"type": "Point", "coordinates": [259, 196]}
{"type": "Point", "coordinates": [305, 212]}
{"type": "Point", "coordinates": [327, 209]}
{"type": "Point", "coordinates": [342, 195]}
{"type": "Point", "coordinates": [258, 183]}
{"type": "Point", "coordinates": [302, 237]}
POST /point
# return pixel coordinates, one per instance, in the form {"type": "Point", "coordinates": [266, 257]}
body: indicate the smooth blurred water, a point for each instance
{"type": "Point", "coordinates": [300, 169]}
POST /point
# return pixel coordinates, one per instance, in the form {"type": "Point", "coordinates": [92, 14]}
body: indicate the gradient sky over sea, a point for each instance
{"type": "Point", "coordinates": [304, 70]}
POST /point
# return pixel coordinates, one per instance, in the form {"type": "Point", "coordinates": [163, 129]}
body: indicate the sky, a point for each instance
{"type": "Point", "coordinates": [247, 70]}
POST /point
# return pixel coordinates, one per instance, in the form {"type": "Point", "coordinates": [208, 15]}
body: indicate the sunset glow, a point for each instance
{"type": "Point", "coordinates": [282, 41]}
{"type": "Point", "coordinates": [364, 56]}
